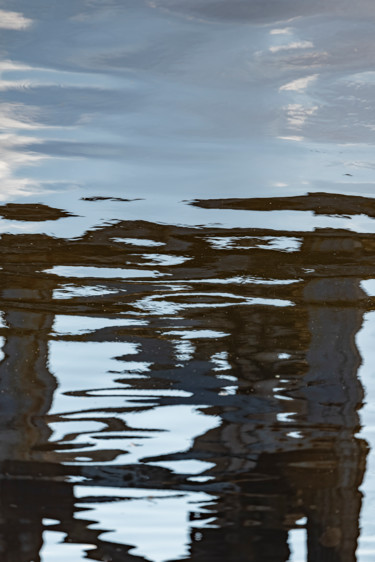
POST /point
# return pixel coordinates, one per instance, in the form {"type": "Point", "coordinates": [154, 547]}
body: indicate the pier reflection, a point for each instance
{"type": "Point", "coordinates": [227, 373]}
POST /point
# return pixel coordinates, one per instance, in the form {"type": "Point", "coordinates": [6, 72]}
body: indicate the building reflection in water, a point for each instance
{"type": "Point", "coordinates": [252, 329]}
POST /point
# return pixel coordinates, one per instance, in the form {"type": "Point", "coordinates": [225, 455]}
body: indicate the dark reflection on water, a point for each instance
{"type": "Point", "coordinates": [253, 329]}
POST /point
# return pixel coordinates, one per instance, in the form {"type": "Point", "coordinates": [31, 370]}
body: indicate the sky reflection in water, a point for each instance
{"type": "Point", "coordinates": [181, 360]}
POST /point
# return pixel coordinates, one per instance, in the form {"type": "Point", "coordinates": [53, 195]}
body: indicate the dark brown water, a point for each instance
{"type": "Point", "coordinates": [187, 281]}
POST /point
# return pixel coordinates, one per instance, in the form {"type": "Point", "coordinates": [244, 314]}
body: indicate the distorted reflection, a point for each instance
{"type": "Point", "coordinates": [226, 418]}
{"type": "Point", "coordinates": [187, 280]}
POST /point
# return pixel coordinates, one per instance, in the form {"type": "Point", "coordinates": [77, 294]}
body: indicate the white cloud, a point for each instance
{"type": "Point", "coordinates": [20, 116]}
{"type": "Point", "coordinates": [7, 65]}
{"type": "Point", "coordinates": [290, 46]}
{"type": "Point", "coordinates": [297, 114]}
{"type": "Point", "coordinates": [300, 84]}
{"type": "Point", "coordinates": [281, 31]}
{"type": "Point", "coordinates": [291, 138]}
{"type": "Point", "coordinates": [12, 156]}
{"type": "Point", "coordinates": [14, 20]}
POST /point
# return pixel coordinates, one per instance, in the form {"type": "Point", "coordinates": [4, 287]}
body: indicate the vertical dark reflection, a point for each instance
{"type": "Point", "coordinates": [319, 477]}
{"type": "Point", "coordinates": [334, 393]}
{"type": "Point", "coordinates": [27, 386]}
{"type": "Point", "coordinates": [32, 489]}
{"type": "Point", "coordinates": [26, 393]}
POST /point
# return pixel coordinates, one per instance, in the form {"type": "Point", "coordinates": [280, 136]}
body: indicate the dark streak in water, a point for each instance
{"type": "Point", "coordinates": [319, 203]}
{"type": "Point", "coordinates": [99, 198]}
{"type": "Point", "coordinates": [32, 212]}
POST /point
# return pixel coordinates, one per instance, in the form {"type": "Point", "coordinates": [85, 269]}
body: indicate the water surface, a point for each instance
{"type": "Point", "coordinates": [187, 280]}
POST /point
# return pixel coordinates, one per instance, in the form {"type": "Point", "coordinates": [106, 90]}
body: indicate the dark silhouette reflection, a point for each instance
{"type": "Point", "coordinates": [33, 212]}
{"type": "Point", "coordinates": [320, 203]}
{"type": "Point", "coordinates": [271, 320]}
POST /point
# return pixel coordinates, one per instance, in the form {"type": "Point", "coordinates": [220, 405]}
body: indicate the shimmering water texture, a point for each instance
{"type": "Point", "coordinates": [187, 281]}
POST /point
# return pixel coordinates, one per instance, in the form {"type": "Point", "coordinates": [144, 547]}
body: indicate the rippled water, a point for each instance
{"type": "Point", "coordinates": [187, 280]}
